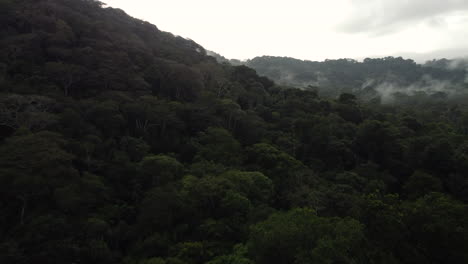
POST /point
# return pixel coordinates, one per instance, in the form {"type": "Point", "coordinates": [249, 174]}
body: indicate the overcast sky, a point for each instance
{"type": "Point", "coordinates": [313, 29]}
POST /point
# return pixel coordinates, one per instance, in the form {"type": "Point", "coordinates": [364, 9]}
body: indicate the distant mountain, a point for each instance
{"type": "Point", "coordinates": [452, 64]}
{"type": "Point", "coordinates": [366, 78]}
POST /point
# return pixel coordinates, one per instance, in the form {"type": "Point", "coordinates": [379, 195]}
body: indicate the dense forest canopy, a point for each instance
{"type": "Point", "coordinates": [120, 143]}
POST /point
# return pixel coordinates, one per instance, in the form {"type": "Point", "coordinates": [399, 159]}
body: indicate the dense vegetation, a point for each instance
{"type": "Point", "coordinates": [378, 79]}
{"type": "Point", "coordinates": [120, 143]}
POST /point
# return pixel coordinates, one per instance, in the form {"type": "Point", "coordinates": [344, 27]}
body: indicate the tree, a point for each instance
{"type": "Point", "coordinates": [32, 112]}
{"type": "Point", "coordinates": [158, 170]}
{"type": "Point", "coordinates": [347, 98]}
{"type": "Point", "coordinates": [238, 256]}
{"type": "Point", "coordinates": [286, 173]}
{"type": "Point", "coordinates": [107, 117]}
{"type": "Point", "coordinates": [376, 140]}
{"type": "Point", "coordinates": [65, 75]}
{"type": "Point", "coordinates": [254, 185]}
{"type": "Point", "coordinates": [162, 209]}
{"type": "Point", "coordinates": [219, 146]}
{"type": "Point", "coordinates": [420, 184]}
{"type": "Point", "coordinates": [300, 236]}
{"type": "Point", "coordinates": [32, 166]}
{"type": "Point", "coordinates": [135, 148]}
{"type": "Point", "coordinates": [439, 224]}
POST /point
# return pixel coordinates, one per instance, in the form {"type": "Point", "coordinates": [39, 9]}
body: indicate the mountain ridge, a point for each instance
{"type": "Point", "coordinates": [366, 78]}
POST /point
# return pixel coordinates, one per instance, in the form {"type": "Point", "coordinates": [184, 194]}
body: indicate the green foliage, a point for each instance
{"type": "Point", "coordinates": [252, 184]}
{"type": "Point", "coordinates": [158, 170]}
{"type": "Point", "coordinates": [219, 146]}
{"type": "Point", "coordinates": [300, 236]}
{"type": "Point", "coordinates": [421, 183]}
{"type": "Point", "coordinates": [440, 224]}
{"type": "Point", "coordinates": [238, 256]}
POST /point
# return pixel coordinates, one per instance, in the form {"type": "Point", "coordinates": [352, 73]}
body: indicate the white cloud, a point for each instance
{"type": "Point", "coordinates": [310, 29]}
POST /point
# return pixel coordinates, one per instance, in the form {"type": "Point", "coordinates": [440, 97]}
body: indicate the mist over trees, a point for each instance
{"type": "Point", "coordinates": [120, 143]}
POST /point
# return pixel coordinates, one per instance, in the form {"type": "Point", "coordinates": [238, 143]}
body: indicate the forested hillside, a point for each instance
{"type": "Point", "coordinates": [120, 143]}
{"type": "Point", "coordinates": [387, 80]}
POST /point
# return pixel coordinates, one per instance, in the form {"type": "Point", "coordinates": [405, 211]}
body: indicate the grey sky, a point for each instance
{"type": "Point", "coordinates": [384, 16]}
{"type": "Point", "coordinates": [313, 29]}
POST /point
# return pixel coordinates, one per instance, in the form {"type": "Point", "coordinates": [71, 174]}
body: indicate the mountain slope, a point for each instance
{"type": "Point", "coordinates": [92, 49]}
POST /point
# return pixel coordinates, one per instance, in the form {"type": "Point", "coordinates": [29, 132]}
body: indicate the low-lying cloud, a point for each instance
{"type": "Point", "coordinates": [389, 91]}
